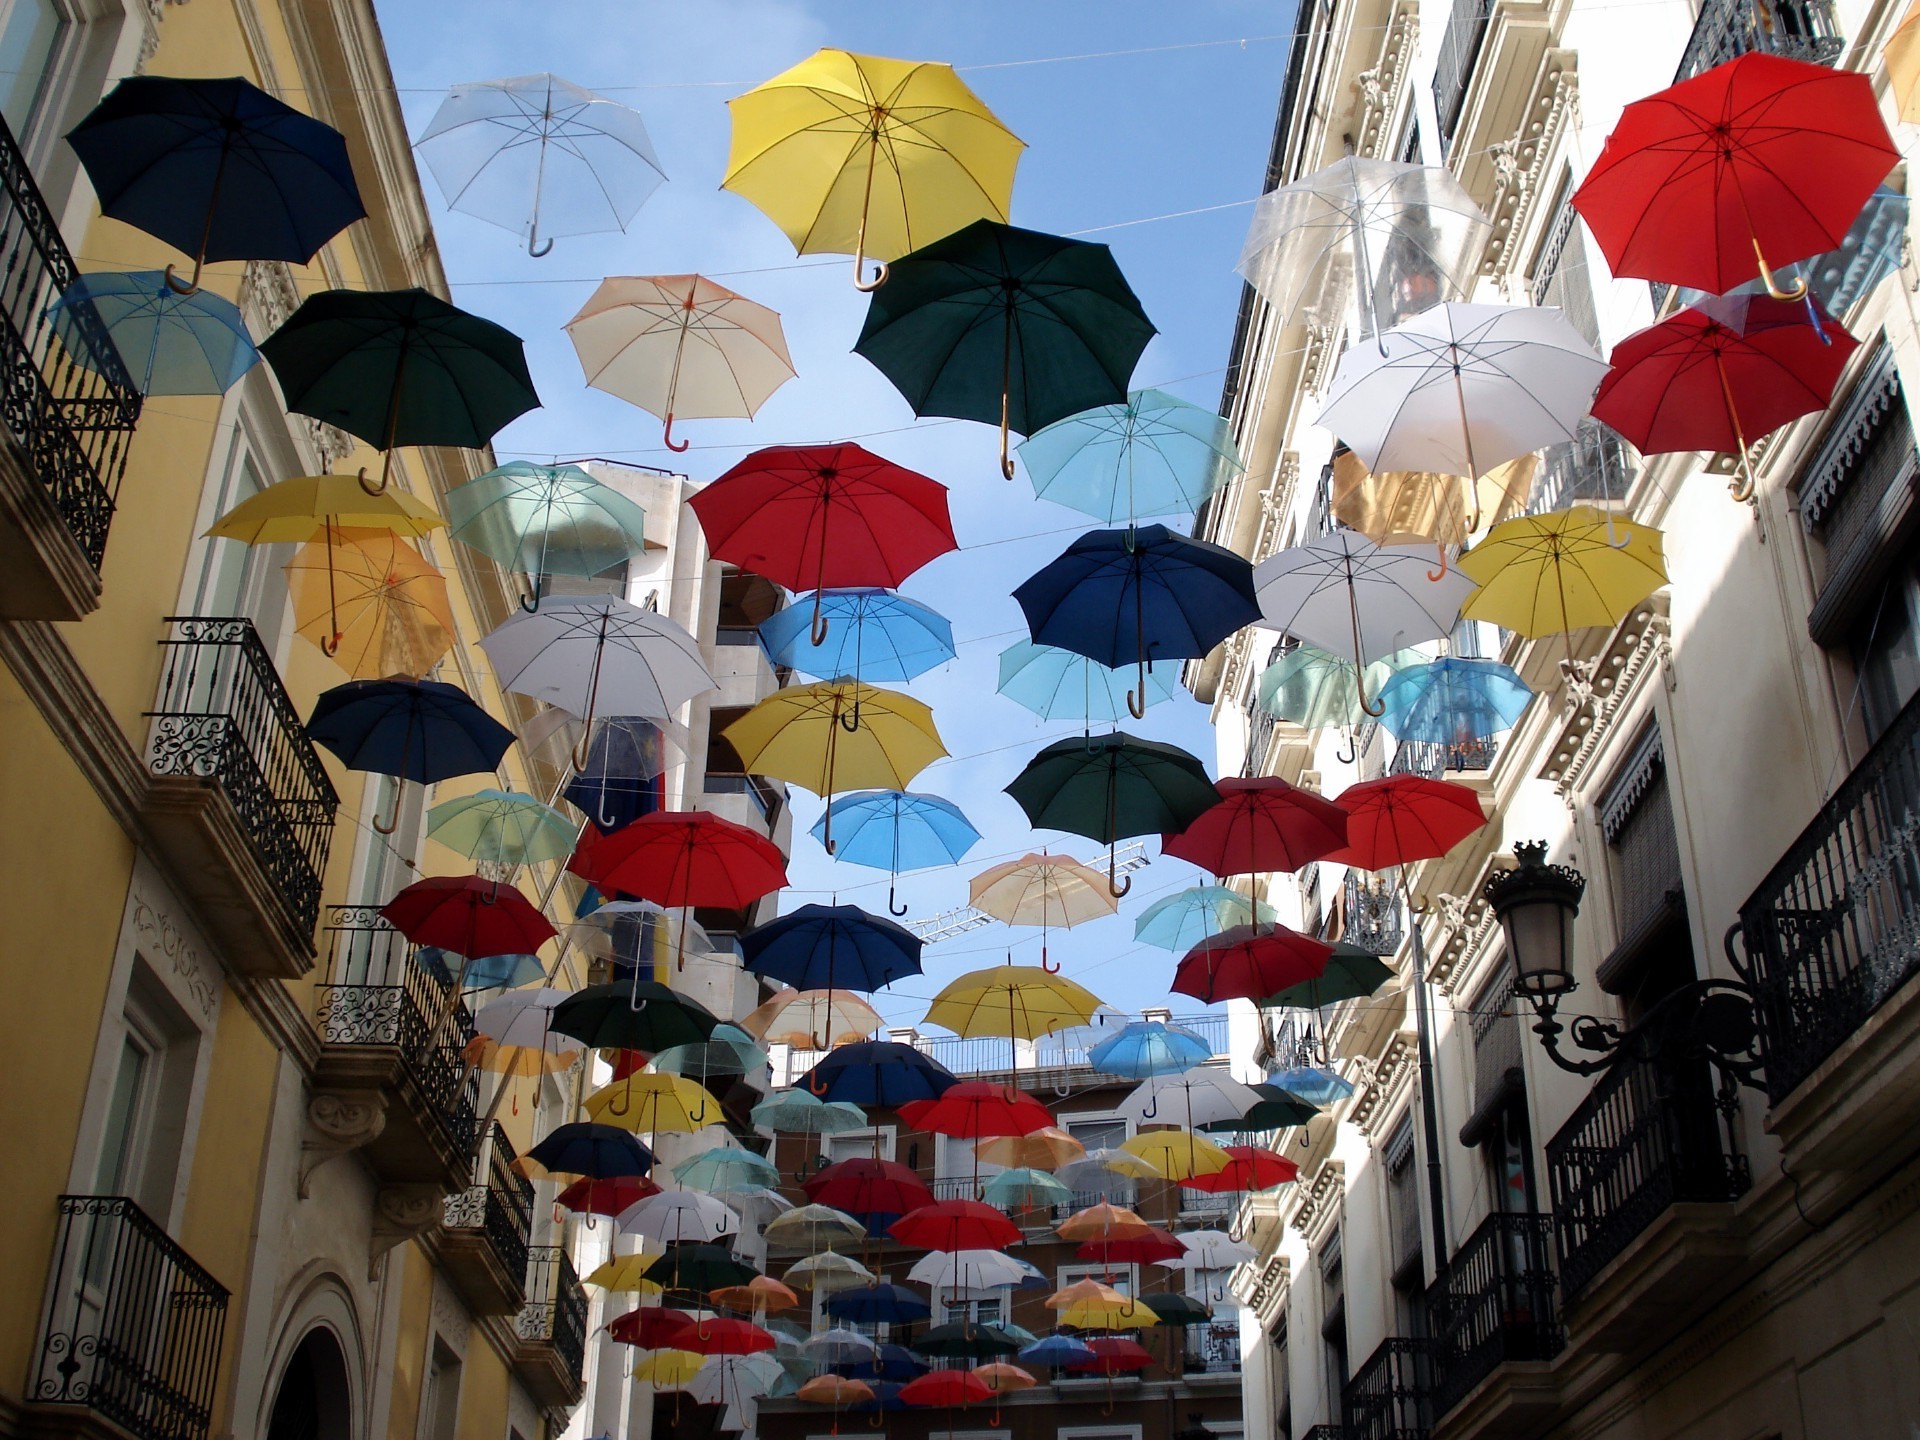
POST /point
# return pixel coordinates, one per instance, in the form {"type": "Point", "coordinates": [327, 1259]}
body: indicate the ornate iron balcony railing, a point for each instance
{"type": "Point", "coordinates": [556, 1308]}
{"type": "Point", "coordinates": [1494, 1302]}
{"type": "Point", "coordinates": [1432, 760]}
{"type": "Point", "coordinates": [499, 1202]}
{"type": "Point", "coordinates": [1727, 29]}
{"type": "Point", "coordinates": [1834, 930]}
{"type": "Point", "coordinates": [224, 715]}
{"type": "Point", "coordinates": [1596, 465]}
{"type": "Point", "coordinates": [133, 1325]}
{"type": "Point", "coordinates": [1390, 1397]}
{"type": "Point", "coordinates": [1373, 920]}
{"type": "Point", "coordinates": [63, 390]}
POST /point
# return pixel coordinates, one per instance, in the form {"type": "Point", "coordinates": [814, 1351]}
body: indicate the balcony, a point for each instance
{"type": "Point", "coordinates": [551, 1330]}
{"type": "Point", "coordinates": [1212, 1350]}
{"type": "Point", "coordinates": [1594, 467]}
{"type": "Point", "coordinates": [239, 801]}
{"type": "Point", "coordinates": [1390, 1397]}
{"type": "Point", "coordinates": [1326, 1432]}
{"type": "Point", "coordinates": [1433, 760]}
{"type": "Point", "coordinates": [391, 1080]}
{"type": "Point", "coordinates": [69, 425]}
{"type": "Point", "coordinates": [1726, 29]}
{"type": "Point", "coordinates": [1460, 46]}
{"type": "Point", "coordinates": [1372, 913]}
{"type": "Point", "coordinates": [131, 1334]}
{"type": "Point", "coordinates": [762, 794]}
{"type": "Point", "coordinates": [1494, 1303]}
{"type": "Point", "coordinates": [483, 1230]}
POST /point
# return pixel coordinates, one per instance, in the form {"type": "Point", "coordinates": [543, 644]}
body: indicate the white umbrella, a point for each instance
{"type": "Point", "coordinates": [520, 1017]}
{"type": "Point", "coordinates": [1210, 1250]}
{"type": "Point", "coordinates": [1194, 1097]}
{"type": "Point", "coordinates": [839, 1346]}
{"type": "Point", "coordinates": [602, 931]}
{"type": "Point", "coordinates": [969, 1270]}
{"type": "Point", "coordinates": [828, 1273]}
{"type": "Point", "coordinates": [725, 1379]}
{"type": "Point", "coordinates": [813, 1227]}
{"type": "Point", "coordinates": [676, 1215]}
{"type": "Point", "coordinates": [757, 1204]}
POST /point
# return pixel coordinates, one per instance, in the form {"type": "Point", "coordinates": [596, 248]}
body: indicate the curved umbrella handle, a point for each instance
{"type": "Point", "coordinates": [818, 1088]}
{"type": "Point", "coordinates": [850, 722]}
{"type": "Point", "coordinates": [531, 603]}
{"type": "Point", "coordinates": [1773, 286]}
{"type": "Point", "coordinates": [893, 909]}
{"type": "Point", "coordinates": [1438, 575]}
{"type": "Point", "coordinates": [192, 283]}
{"type": "Point", "coordinates": [881, 271]}
{"type": "Point", "coordinates": [1353, 749]}
{"type": "Point", "coordinates": [1153, 1107]}
{"type": "Point", "coordinates": [1116, 887]}
{"type": "Point", "coordinates": [666, 438]}
{"type": "Point", "coordinates": [539, 252]}
{"type": "Point", "coordinates": [330, 644]}
{"type": "Point", "coordinates": [386, 474]}
{"type": "Point", "coordinates": [1137, 695]}
{"type": "Point", "coordinates": [701, 1118]}
{"type": "Point", "coordinates": [817, 630]}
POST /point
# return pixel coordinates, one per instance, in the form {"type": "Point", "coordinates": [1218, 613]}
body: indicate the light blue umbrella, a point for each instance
{"type": "Point", "coordinates": [546, 520]}
{"type": "Point", "coordinates": [725, 1168]}
{"type": "Point", "coordinates": [896, 830]}
{"type": "Point", "coordinates": [872, 635]}
{"type": "Point", "coordinates": [1184, 919]}
{"type": "Point", "coordinates": [1311, 1084]}
{"type": "Point", "coordinates": [1057, 684]}
{"type": "Point", "coordinates": [800, 1112]}
{"type": "Point", "coordinates": [1155, 455]}
{"type": "Point", "coordinates": [494, 972]}
{"type": "Point", "coordinates": [1148, 1048]}
{"type": "Point", "coordinates": [168, 343]}
{"type": "Point", "coordinates": [1024, 1190]}
{"type": "Point", "coordinates": [728, 1051]}
{"type": "Point", "coordinates": [1453, 701]}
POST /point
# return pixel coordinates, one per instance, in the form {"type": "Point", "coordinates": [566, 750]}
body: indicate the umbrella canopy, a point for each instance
{"type": "Point", "coordinates": [1142, 1250]}
{"type": "Point", "coordinates": [419, 730]}
{"type": "Point", "coordinates": [972, 1270]}
{"type": "Point", "coordinates": [683, 858]}
{"type": "Point", "coordinates": [1389, 236]}
{"type": "Point", "coordinates": [1191, 1098]}
{"type": "Point", "coordinates": [1563, 571]}
{"type": "Point", "coordinates": [680, 346]}
{"type": "Point", "coordinates": [628, 930]}
{"type": "Point", "coordinates": [1253, 1167]}
{"type": "Point", "coordinates": [1046, 1149]}
{"type": "Point", "coordinates": [1313, 688]}
{"type": "Point", "coordinates": [495, 972]}
{"type": "Point", "coordinates": [955, 1225]}
{"type": "Point", "coordinates": [1185, 918]}
{"type": "Point", "coordinates": [541, 157]}
{"type": "Point", "coordinates": [1397, 507]}
{"type": "Point", "coordinates": [840, 1346]}
{"type": "Point", "coordinates": [598, 654]}
{"type": "Point", "coordinates": [1311, 1083]}
{"type": "Point", "coordinates": [1113, 1356]}
{"type": "Point", "coordinates": [1177, 1154]}
{"type": "Point", "coordinates": [621, 1272]}
{"type": "Point", "coordinates": [800, 1112]}
{"type": "Point", "coordinates": [636, 1015]}
{"type": "Point", "coordinates": [1018, 1001]}
{"type": "Point", "coordinates": [813, 1019]}
{"type": "Point", "coordinates": [948, 1388]}
{"type": "Point", "coordinates": [546, 520]}
{"type": "Point", "coordinates": [673, 1216]}
{"type": "Point", "coordinates": [624, 755]}
{"type": "Point", "coordinates": [1057, 684]}
{"type": "Point", "coordinates": [1095, 1222]}
{"type": "Point", "coordinates": [598, 1152]}
{"type": "Point", "coordinates": [831, 947]}
{"type": "Point", "coordinates": [372, 602]}
{"type": "Point", "coordinates": [1170, 1307]}
{"type": "Point", "coordinates": [1211, 1249]}
{"type": "Point", "coordinates": [1146, 1048]}
{"type": "Point", "coordinates": [1057, 1351]}
{"type": "Point", "coordinates": [978, 1109]}
{"type": "Point", "coordinates": [962, 1339]}
{"type": "Point", "coordinates": [895, 830]}
{"type": "Point", "coordinates": [725, 1168]}
{"type": "Point", "coordinates": [1025, 1189]}
{"type": "Point", "coordinates": [1277, 1109]}
{"type": "Point", "coordinates": [1133, 596]}
{"type": "Point", "coordinates": [1043, 890]}
{"type": "Point", "coordinates": [1258, 825]}
{"type": "Point", "coordinates": [307, 506]}
{"type": "Point", "coordinates": [501, 827]}
{"type": "Point", "coordinates": [668, 1369]}
{"type": "Point", "coordinates": [829, 1272]}
{"type": "Point", "coordinates": [1100, 1167]}
{"type": "Point", "coordinates": [877, 1072]}
{"type": "Point", "coordinates": [1156, 454]}
{"type": "Point", "coordinates": [1400, 819]}
{"type": "Point", "coordinates": [728, 1380]}
{"type": "Point", "coordinates": [1762, 156]}
{"type": "Point", "coordinates": [868, 1187]}
{"type": "Point", "coordinates": [877, 1305]}
{"type": "Point", "coordinates": [135, 323]}
{"type": "Point", "coordinates": [1004, 1379]}
{"type": "Point", "coordinates": [1351, 974]}
{"type": "Point", "coordinates": [655, 1103]}
{"type": "Point", "coordinates": [609, 1198]}
{"type": "Point", "coordinates": [699, 1268]}
{"type": "Point", "coordinates": [1126, 1314]}
{"type": "Point", "coordinates": [469, 916]}
{"type": "Point", "coordinates": [218, 169]}
{"type": "Point", "coordinates": [870, 634]}
{"type": "Point", "coordinates": [1249, 963]}
{"type": "Point", "coordinates": [813, 1228]}
{"type": "Point", "coordinates": [1453, 701]}
{"type": "Point", "coordinates": [835, 1390]}
{"type": "Point", "coordinates": [727, 1337]}
{"type": "Point", "coordinates": [728, 1051]}
{"type": "Point", "coordinates": [655, 1327]}
{"type": "Point", "coordinates": [1006, 326]}
{"type": "Point", "coordinates": [524, 1018]}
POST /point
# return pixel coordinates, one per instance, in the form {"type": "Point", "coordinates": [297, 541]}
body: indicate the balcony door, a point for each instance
{"type": "Point", "coordinates": [30, 33]}
{"type": "Point", "coordinates": [233, 578]}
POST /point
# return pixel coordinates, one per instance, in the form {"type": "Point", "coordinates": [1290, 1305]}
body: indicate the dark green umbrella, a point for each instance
{"type": "Point", "coordinates": [1108, 787]}
{"type": "Point", "coordinates": [400, 367]}
{"type": "Point", "coordinates": [999, 324]}
{"type": "Point", "coordinates": [1173, 1308]}
{"type": "Point", "coordinates": [1351, 974]}
{"type": "Point", "coordinates": [633, 1015]}
{"type": "Point", "coordinates": [699, 1269]}
{"type": "Point", "coordinates": [1277, 1109]}
{"type": "Point", "coordinates": [963, 1339]}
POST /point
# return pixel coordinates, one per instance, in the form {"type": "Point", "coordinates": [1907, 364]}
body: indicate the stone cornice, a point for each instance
{"type": "Point", "coordinates": [1522, 168]}
{"type": "Point", "coordinates": [1389, 1078]}
{"type": "Point", "coordinates": [1639, 645]}
{"type": "Point", "coordinates": [1380, 87]}
{"type": "Point", "coordinates": [1320, 1199]}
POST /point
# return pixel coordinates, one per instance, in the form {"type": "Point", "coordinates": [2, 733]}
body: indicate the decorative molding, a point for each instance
{"type": "Point", "coordinates": [1317, 357]}
{"type": "Point", "coordinates": [1381, 86]}
{"type": "Point", "coordinates": [400, 1212]}
{"type": "Point", "coordinates": [1392, 1075]}
{"type": "Point", "coordinates": [338, 1124]}
{"type": "Point", "coordinates": [1639, 644]}
{"type": "Point", "coordinates": [156, 11]}
{"type": "Point", "coordinates": [1467, 929]}
{"type": "Point", "coordinates": [1521, 165]}
{"type": "Point", "coordinates": [1320, 1200]}
{"type": "Point", "coordinates": [164, 940]}
{"type": "Point", "coordinates": [1275, 501]}
{"type": "Point", "coordinates": [451, 1320]}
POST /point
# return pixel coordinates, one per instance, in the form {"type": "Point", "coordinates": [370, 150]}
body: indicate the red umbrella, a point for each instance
{"type": "Point", "coordinates": [811, 517]}
{"type": "Point", "coordinates": [1730, 367]}
{"type": "Point", "coordinates": [955, 1225]}
{"type": "Point", "coordinates": [946, 1387]}
{"type": "Point", "coordinates": [724, 1337]}
{"type": "Point", "coordinates": [1253, 1167]}
{"type": "Point", "coordinates": [868, 1187]}
{"type": "Point", "coordinates": [629, 1062]}
{"type": "Point", "coordinates": [1237, 963]}
{"type": "Point", "coordinates": [1403, 818]}
{"type": "Point", "coordinates": [1260, 825]}
{"type": "Point", "coordinates": [978, 1110]}
{"type": "Point", "coordinates": [1134, 1250]}
{"type": "Point", "coordinates": [1113, 1355]}
{"type": "Point", "coordinates": [469, 916]}
{"type": "Point", "coordinates": [606, 1197]}
{"type": "Point", "coordinates": [1760, 156]}
{"type": "Point", "coordinates": [652, 1327]}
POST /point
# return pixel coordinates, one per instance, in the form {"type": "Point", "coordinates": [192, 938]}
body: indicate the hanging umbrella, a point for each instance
{"type": "Point", "coordinates": [1111, 786]}
{"type": "Point", "coordinates": [546, 520]}
{"type": "Point", "coordinates": [1314, 688]}
{"type": "Point", "coordinates": [831, 947]}
{"type": "Point", "coordinates": [840, 1346]}
{"type": "Point", "coordinates": [1187, 917]}
{"type": "Point", "coordinates": [1210, 1249]}
{"type": "Point", "coordinates": [622, 1273]}
{"type": "Point", "coordinates": [494, 972]}
{"type": "Point", "coordinates": [1069, 1046]}
{"type": "Point", "coordinates": [1006, 326]}
{"type": "Point", "coordinates": [1100, 1167]}
{"type": "Point", "coordinates": [800, 1112]}
{"type": "Point", "coordinates": [501, 827]}
{"type": "Point", "coordinates": [1249, 963]}
{"type": "Point", "coordinates": [680, 346]}
{"type": "Point", "coordinates": [1057, 1351]}
{"type": "Point", "coordinates": [1113, 1356]}
{"type": "Point", "coordinates": [469, 916]}
{"type": "Point", "coordinates": [1253, 1167]}
{"type": "Point", "coordinates": [870, 634]}
{"type": "Point", "coordinates": [962, 1339]}
{"type": "Point", "coordinates": [1145, 1250]}
{"type": "Point", "coordinates": [834, 1390]}
{"type": "Point", "coordinates": [1043, 890]}
{"type": "Point", "coordinates": [1004, 1379]}
{"type": "Point", "coordinates": [814, 1020]}
{"type": "Point", "coordinates": [813, 1228]}
{"type": "Point", "coordinates": [609, 1198]}
{"type": "Point", "coordinates": [1351, 974]}
{"type": "Point", "coordinates": [886, 1394]}
{"type": "Point", "coordinates": [1394, 237]}
{"type": "Point", "coordinates": [895, 830]}
{"type": "Point", "coordinates": [1125, 1315]}
{"type": "Point", "coordinates": [418, 730]}
{"type": "Point", "coordinates": [1017, 1001]}
{"type": "Point", "coordinates": [862, 154]}
{"type": "Point", "coordinates": [876, 1305]}
{"type": "Point", "coordinates": [973, 1269]}
{"type": "Point", "coordinates": [877, 1072]}
{"type": "Point", "coordinates": [1453, 701]}
{"type": "Point", "coordinates": [218, 169]}
{"type": "Point", "coordinates": [599, 1152]}
{"type": "Point", "coordinates": [728, 1379]}
{"type": "Point", "coordinates": [1046, 1149]}
{"type": "Point", "coordinates": [1024, 1189]}
{"type": "Point", "coordinates": [1177, 1154]}
{"type": "Point", "coordinates": [668, 1369]}
{"type": "Point", "coordinates": [946, 1388]}
{"type": "Point", "coordinates": [524, 1018]}
{"type": "Point", "coordinates": [1356, 599]}
{"type": "Point", "coordinates": [1720, 371]}
{"type": "Point", "coordinates": [955, 1225]}
{"type": "Point", "coordinates": [1400, 819]}
{"type": "Point", "coordinates": [1191, 1098]}
{"type": "Point", "coordinates": [1147, 1048]}
{"type": "Point", "coordinates": [1700, 183]}
{"type": "Point", "coordinates": [628, 932]}
{"type": "Point", "coordinates": [1057, 684]}
{"type": "Point", "coordinates": [1095, 1222]}
{"type": "Point", "coordinates": [1178, 1311]}
{"type": "Point", "coordinates": [700, 1268]}
{"type": "Point", "coordinates": [625, 755]}
{"type": "Point", "coordinates": [683, 858]}
{"type": "Point", "coordinates": [1259, 825]}
{"type": "Point", "coordinates": [829, 1272]}
{"type": "Point", "coordinates": [976, 1110]}
{"type": "Point", "coordinates": [541, 157]}
{"type": "Point", "coordinates": [728, 1051]}
{"type": "Point", "coordinates": [1155, 454]}
{"type": "Point", "coordinates": [520, 1062]}
{"type": "Point", "coordinates": [1133, 596]}
{"type": "Point", "coordinates": [757, 1205]}
{"type": "Point", "coordinates": [837, 734]}
{"type": "Point", "coordinates": [655, 1104]}
{"type": "Point", "coordinates": [817, 517]}
{"type": "Point", "coordinates": [1401, 507]}
{"type": "Point", "coordinates": [724, 1168]}
{"type": "Point", "coordinates": [674, 1216]}
{"type": "Point", "coordinates": [400, 367]}
{"type": "Point", "coordinates": [134, 323]}
{"type": "Point", "coordinates": [371, 602]}
{"type": "Point", "coordinates": [654, 1327]}
{"type": "Point", "coordinates": [636, 1015]}
{"type": "Point", "coordinates": [1313, 1084]}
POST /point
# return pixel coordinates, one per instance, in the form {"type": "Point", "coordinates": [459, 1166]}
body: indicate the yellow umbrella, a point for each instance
{"type": "Point", "coordinates": [859, 153]}
{"type": "Point", "coordinates": [1177, 1154]}
{"type": "Point", "coordinates": [1902, 59]}
{"type": "Point", "coordinates": [652, 1102]}
{"type": "Point", "coordinates": [1127, 1315]}
{"type": "Point", "coordinates": [1043, 890]}
{"type": "Point", "coordinates": [1402, 506]}
{"type": "Point", "coordinates": [813, 1019]}
{"type": "Point", "coordinates": [837, 735]}
{"type": "Point", "coordinates": [1100, 1222]}
{"type": "Point", "coordinates": [1089, 1292]}
{"type": "Point", "coordinates": [1044, 1149]}
{"type": "Point", "coordinates": [668, 1368]}
{"type": "Point", "coordinates": [626, 1272]}
{"type": "Point", "coordinates": [372, 602]}
{"type": "Point", "coordinates": [1022, 1002]}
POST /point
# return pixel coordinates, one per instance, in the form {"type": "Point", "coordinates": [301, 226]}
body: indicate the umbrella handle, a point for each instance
{"type": "Point", "coordinates": [1798, 291]}
{"type": "Point", "coordinates": [880, 274]}
{"type": "Point", "coordinates": [539, 252]}
{"type": "Point", "coordinates": [817, 629]}
{"type": "Point", "coordinates": [1116, 887]}
{"type": "Point", "coordinates": [1353, 749]}
{"type": "Point", "coordinates": [1137, 695]}
{"type": "Point", "coordinates": [330, 644]}
{"type": "Point", "coordinates": [192, 283]}
{"type": "Point", "coordinates": [379, 489]}
{"type": "Point", "coordinates": [1153, 1110]}
{"type": "Point", "coordinates": [893, 909]}
{"type": "Point", "coordinates": [1438, 575]}
{"type": "Point", "coordinates": [531, 604]}
{"type": "Point", "coordinates": [818, 1089]}
{"type": "Point", "coordinates": [666, 437]}
{"type": "Point", "coordinates": [393, 820]}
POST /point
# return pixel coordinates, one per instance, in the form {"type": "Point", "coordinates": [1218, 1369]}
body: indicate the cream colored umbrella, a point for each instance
{"type": "Point", "coordinates": [1043, 890]}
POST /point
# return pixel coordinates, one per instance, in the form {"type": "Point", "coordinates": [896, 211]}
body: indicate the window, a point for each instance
{"type": "Point", "coordinates": [1560, 275]}
{"type": "Point", "coordinates": [383, 870]}
{"type": "Point", "coordinates": [871, 1144]}
{"type": "Point", "coordinates": [1655, 952]}
{"type": "Point", "coordinates": [1408, 1276]}
{"type": "Point", "coordinates": [1124, 1278]}
{"type": "Point", "coordinates": [235, 578]}
{"type": "Point", "coordinates": [745, 600]}
{"type": "Point", "coordinates": [144, 1129]}
{"type": "Point", "coordinates": [440, 1394]}
{"type": "Point", "coordinates": [29, 34]}
{"type": "Point", "coordinates": [981, 1307]}
{"type": "Point", "coordinates": [1101, 1132]}
{"type": "Point", "coordinates": [1333, 1323]}
{"type": "Point", "coordinates": [955, 1159]}
{"type": "Point", "coordinates": [1886, 652]}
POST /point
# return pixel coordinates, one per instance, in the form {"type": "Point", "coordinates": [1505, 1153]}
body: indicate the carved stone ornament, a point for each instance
{"type": "Point", "coordinates": [1640, 646]}
{"type": "Point", "coordinates": [400, 1212]}
{"type": "Point", "coordinates": [1522, 165]}
{"type": "Point", "coordinates": [338, 1124]}
{"type": "Point", "coordinates": [161, 940]}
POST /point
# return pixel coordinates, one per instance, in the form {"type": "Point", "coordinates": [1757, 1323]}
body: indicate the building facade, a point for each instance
{"type": "Point", "coordinates": [1642, 1250]}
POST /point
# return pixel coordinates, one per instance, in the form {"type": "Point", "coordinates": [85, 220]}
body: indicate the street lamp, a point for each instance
{"type": "Point", "coordinates": [1716, 1020]}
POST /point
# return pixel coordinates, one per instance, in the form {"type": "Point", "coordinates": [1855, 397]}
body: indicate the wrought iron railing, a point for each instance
{"type": "Point", "coordinates": [1834, 930]}
{"type": "Point", "coordinates": [1373, 919]}
{"type": "Point", "coordinates": [1432, 759]}
{"type": "Point", "coordinates": [1494, 1302]}
{"type": "Point", "coordinates": [1650, 1133]}
{"type": "Point", "coordinates": [63, 391]}
{"type": "Point", "coordinates": [1390, 1397]}
{"type": "Point", "coordinates": [556, 1308]}
{"type": "Point", "coordinates": [1212, 1350]}
{"type": "Point", "coordinates": [133, 1325]}
{"type": "Point", "coordinates": [1459, 47]}
{"type": "Point", "coordinates": [499, 1203]}
{"type": "Point", "coordinates": [224, 715]}
{"type": "Point", "coordinates": [1596, 465]}
{"type": "Point", "coordinates": [380, 994]}
{"type": "Point", "coordinates": [1727, 29]}
{"type": "Point", "coordinates": [1325, 1432]}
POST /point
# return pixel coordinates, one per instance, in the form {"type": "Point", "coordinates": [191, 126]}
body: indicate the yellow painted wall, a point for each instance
{"type": "Point", "coordinates": [483, 1393]}
{"type": "Point", "coordinates": [410, 1352]}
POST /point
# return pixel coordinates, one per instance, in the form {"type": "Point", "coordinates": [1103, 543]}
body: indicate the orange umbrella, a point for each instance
{"type": "Point", "coordinates": [1002, 1379]}
{"type": "Point", "coordinates": [1103, 1222]}
{"type": "Point", "coordinates": [835, 1390]}
{"type": "Point", "coordinates": [372, 602]}
{"type": "Point", "coordinates": [1087, 1292]}
{"type": "Point", "coordinates": [1046, 1149]}
{"type": "Point", "coordinates": [758, 1294]}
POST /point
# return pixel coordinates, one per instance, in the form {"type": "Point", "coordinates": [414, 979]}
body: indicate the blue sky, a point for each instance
{"type": "Point", "coordinates": [1112, 137]}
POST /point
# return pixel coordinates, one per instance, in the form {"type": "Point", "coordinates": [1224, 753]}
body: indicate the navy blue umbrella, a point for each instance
{"type": "Point", "coordinates": [878, 1072]}
{"type": "Point", "coordinates": [832, 947]}
{"type": "Point", "coordinates": [601, 1152]}
{"type": "Point", "coordinates": [894, 1363]}
{"type": "Point", "coordinates": [886, 1393]}
{"type": "Point", "coordinates": [871, 1304]}
{"type": "Point", "coordinates": [620, 781]}
{"type": "Point", "coordinates": [420, 730]}
{"type": "Point", "coordinates": [218, 169]}
{"type": "Point", "coordinates": [1130, 597]}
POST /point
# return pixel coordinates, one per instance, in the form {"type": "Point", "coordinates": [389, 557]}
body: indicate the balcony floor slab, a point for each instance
{"type": "Point", "coordinates": [44, 574]}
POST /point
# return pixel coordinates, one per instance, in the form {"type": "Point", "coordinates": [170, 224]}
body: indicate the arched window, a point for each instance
{"type": "Point", "coordinates": [313, 1401]}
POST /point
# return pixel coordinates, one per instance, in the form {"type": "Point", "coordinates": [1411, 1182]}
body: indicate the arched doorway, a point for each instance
{"type": "Point", "coordinates": [313, 1401]}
